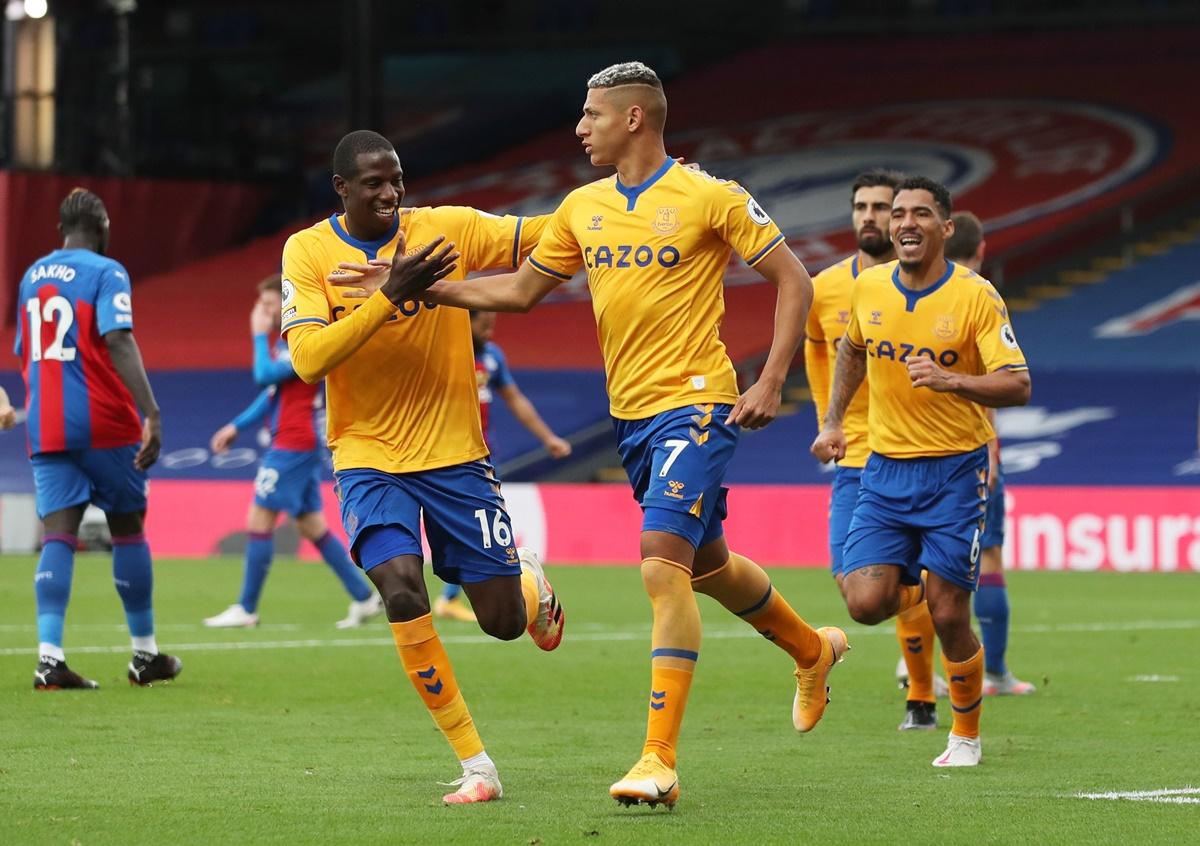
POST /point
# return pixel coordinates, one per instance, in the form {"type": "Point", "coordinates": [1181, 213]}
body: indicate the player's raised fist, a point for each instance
{"type": "Point", "coordinates": [261, 319]}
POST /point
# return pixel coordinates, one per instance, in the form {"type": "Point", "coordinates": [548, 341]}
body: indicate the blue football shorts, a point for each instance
{"type": "Point", "coordinates": [921, 514]}
{"type": "Point", "coordinates": [289, 481]}
{"type": "Point", "coordinates": [842, 498]}
{"type": "Point", "coordinates": [993, 530]}
{"type": "Point", "coordinates": [466, 522]}
{"type": "Point", "coordinates": [104, 477]}
{"type": "Point", "coordinates": [676, 463]}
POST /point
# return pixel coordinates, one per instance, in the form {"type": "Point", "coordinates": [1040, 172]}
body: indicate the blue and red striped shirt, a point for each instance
{"type": "Point", "coordinates": [67, 302]}
{"type": "Point", "coordinates": [287, 403]}
{"type": "Point", "coordinates": [491, 374]}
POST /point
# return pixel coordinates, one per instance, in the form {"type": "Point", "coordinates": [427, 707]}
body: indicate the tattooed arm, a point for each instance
{"type": "Point", "coordinates": [848, 374]}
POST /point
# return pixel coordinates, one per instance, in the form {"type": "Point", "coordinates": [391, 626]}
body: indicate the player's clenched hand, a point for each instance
{"type": "Point", "coordinates": [151, 443]}
{"type": "Point", "coordinates": [557, 447]}
{"type": "Point", "coordinates": [260, 319]}
{"type": "Point", "coordinates": [830, 444]}
{"type": "Point", "coordinates": [223, 438]}
{"type": "Point", "coordinates": [757, 407]}
{"type": "Point", "coordinates": [925, 373]}
{"type": "Point", "coordinates": [8, 416]}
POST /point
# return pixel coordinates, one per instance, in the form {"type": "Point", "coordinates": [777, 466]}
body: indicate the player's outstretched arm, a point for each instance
{"type": "Point", "coordinates": [848, 374]}
{"type": "Point", "coordinates": [127, 360]}
{"type": "Point", "coordinates": [527, 415]}
{"type": "Point", "coordinates": [316, 350]}
{"type": "Point", "coordinates": [998, 389]}
{"type": "Point", "coordinates": [8, 414]}
{"type": "Point", "coordinates": [519, 291]}
{"type": "Point", "coordinates": [759, 405]}
{"type": "Point", "coordinates": [252, 415]}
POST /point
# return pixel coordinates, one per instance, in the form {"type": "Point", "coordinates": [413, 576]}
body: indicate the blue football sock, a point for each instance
{"type": "Point", "coordinates": [451, 592]}
{"type": "Point", "coordinates": [338, 559]}
{"type": "Point", "coordinates": [134, 578]}
{"type": "Point", "coordinates": [991, 609]}
{"type": "Point", "coordinates": [260, 548]}
{"type": "Point", "coordinates": [52, 586]}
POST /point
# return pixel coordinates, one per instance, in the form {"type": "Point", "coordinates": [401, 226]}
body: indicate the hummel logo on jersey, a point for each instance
{"type": "Point", "coordinates": [876, 318]}
{"type": "Point", "coordinates": [596, 219]}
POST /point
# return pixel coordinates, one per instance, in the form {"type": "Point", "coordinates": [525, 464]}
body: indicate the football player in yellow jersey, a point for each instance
{"type": "Point", "coordinates": [871, 197]}
{"type": "Point", "coordinates": [934, 342]}
{"type": "Point", "coordinates": [403, 423]}
{"type": "Point", "coordinates": [967, 247]}
{"type": "Point", "coordinates": [656, 238]}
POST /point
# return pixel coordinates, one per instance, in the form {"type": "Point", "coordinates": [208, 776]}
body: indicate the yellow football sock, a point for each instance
{"type": "Point", "coordinates": [429, 670]}
{"type": "Point", "coordinates": [910, 595]}
{"type": "Point", "coordinates": [914, 630]}
{"type": "Point", "coordinates": [669, 688]}
{"type": "Point", "coordinates": [745, 589]}
{"type": "Point", "coordinates": [529, 589]}
{"type": "Point", "coordinates": [675, 647]}
{"type": "Point", "coordinates": [966, 692]}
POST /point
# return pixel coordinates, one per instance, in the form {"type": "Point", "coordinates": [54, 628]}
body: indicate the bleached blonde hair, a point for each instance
{"type": "Point", "coordinates": [625, 73]}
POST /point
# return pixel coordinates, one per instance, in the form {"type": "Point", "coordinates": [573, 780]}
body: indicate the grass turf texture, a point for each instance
{"type": "Point", "coordinates": [298, 733]}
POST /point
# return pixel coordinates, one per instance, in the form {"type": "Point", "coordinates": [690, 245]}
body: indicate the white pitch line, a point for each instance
{"type": "Point", "coordinates": [162, 627]}
{"type": "Point", "coordinates": [1170, 796]}
{"type": "Point", "coordinates": [600, 635]}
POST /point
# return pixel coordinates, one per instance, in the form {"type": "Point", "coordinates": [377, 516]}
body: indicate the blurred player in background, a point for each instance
{"type": "Point", "coordinates": [966, 247]}
{"type": "Point", "coordinates": [493, 377]}
{"type": "Point", "coordinates": [85, 387]}
{"type": "Point", "coordinates": [289, 477]}
{"type": "Point", "coordinates": [871, 197]}
{"type": "Point", "coordinates": [934, 342]}
{"type": "Point", "coordinates": [656, 239]}
{"type": "Point", "coordinates": [403, 422]}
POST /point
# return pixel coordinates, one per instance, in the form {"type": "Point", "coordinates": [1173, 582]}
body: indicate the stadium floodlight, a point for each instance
{"type": "Point", "coordinates": [14, 10]}
{"type": "Point", "coordinates": [36, 8]}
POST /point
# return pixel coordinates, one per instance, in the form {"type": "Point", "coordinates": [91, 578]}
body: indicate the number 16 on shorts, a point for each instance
{"type": "Point", "coordinates": [493, 528]}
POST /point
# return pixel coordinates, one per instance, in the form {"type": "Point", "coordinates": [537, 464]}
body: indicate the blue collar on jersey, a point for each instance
{"type": "Point", "coordinates": [631, 194]}
{"type": "Point", "coordinates": [912, 297]}
{"type": "Point", "coordinates": [371, 248]}
{"type": "Point", "coordinates": [854, 267]}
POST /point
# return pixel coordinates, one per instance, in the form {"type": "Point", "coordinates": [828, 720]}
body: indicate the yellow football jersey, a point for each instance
{"type": "Point", "coordinates": [655, 256]}
{"type": "Point", "coordinates": [406, 400]}
{"type": "Point", "coordinates": [827, 322]}
{"type": "Point", "coordinates": [962, 323]}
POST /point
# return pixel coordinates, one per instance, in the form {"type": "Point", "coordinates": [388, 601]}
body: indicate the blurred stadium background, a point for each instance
{"type": "Point", "coordinates": [207, 128]}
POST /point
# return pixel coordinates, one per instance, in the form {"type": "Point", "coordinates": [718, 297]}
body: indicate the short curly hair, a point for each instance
{"type": "Point", "coordinates": [625, 73]}
{"type": "Point", "coordinates": [353, 145]}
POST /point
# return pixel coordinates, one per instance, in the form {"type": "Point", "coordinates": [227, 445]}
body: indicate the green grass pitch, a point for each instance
{"type": "Point", "coordinates": [298, 733]}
